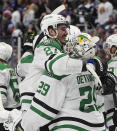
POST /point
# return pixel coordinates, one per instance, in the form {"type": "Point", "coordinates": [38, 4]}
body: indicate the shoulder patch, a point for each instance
{"type": "Point", "coordinates": [47, 42]}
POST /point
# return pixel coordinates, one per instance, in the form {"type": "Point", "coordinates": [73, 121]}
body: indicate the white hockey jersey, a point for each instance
{"type": "Point", "coordinates": [9, 87]}
{"type": "Point", "coordinates": [68, 104]}
{"type": "Point", "coordinates": [44, 58]}
{"type": "Point", "coordinates": [24, 64]}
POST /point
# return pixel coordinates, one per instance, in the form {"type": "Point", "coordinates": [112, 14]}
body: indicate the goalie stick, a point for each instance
{"type": "Point", "coordinates": [90, 68]}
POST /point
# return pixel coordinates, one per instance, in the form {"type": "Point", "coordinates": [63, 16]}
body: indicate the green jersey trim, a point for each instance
{"type": "Point", "coordinates": [98, 107]}
{"type": "Point", "coordinates": [4, 93]}
{"type": "Point", "coordinates": [55, 76]}
{"type": "Point", "coordinates": [77, 128]}
{"type": "Point", "coordinates": [42, 114]}
{"type": "Point", "coordinates": [109, 61]}
{"type": "Point", "coordinates": [112, 59]}
{"type": "Point", "coordinates": [26, 101]}
{"type": "Point", "coordinates": [68, 126]}
{"type": "Point", "coordinates": [52, 43]}
{"type": "Point", "coordinates": [27, 59]}
{"type": "Point", "coordinates": [97, 57]}
{"type": "Point", "coordinates": [4, 66]}
{"type": "Point", "coordinates": [109, 118]}
{"type": "Point", "coordinates": [54, 60]}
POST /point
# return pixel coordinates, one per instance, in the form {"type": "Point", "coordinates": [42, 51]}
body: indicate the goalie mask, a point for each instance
{"type": "Point", "coordinates": [81, 47]}
{"type": "Point", "coordinates": [111, 44]}
{"type": "Point", "coordinates": [52, 20]}
{"type": "Point", "coordinates": [72, 32]}
{"type": "Point", "coordinates": [5, 51]}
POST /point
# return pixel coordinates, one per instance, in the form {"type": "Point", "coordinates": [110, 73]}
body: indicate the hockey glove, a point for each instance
{"type": "Point", "coordinates": [14, 117]}
{"type": "Point", "coordinates": [109, 82]}
{"type": "Point", "coordinates": [28, 44]}
{"type": "Point", "coordinates": [100, 66]}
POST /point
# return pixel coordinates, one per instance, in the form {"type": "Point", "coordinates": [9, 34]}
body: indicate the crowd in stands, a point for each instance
{"type": "Point", "coordinates": [97, 17]}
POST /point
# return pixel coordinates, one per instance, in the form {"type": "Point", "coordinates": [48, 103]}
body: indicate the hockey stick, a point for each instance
{"type": "Point", "coordinates": [58, 9]}
{"type": "Point", "coordinates": [1, 104]}
{"type": "Point", "coordinates": [90, 68]}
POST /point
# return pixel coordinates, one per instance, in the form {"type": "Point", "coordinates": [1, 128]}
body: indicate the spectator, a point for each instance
{"type": "Point", "coordinates": [43, 8]}
{"type": "Point", "coordinates": [86, 14]}
{"type": "Point", "coordinates": [15, 32]}
{"type": "Point", "coordinates": [105, 10]}
{"type": "Point", "coordinates": [6, 6]}
{"type": "Point", "coordinates": [0, 22]}
{"type": "Point", "coordinates": [16, 16]}
{"type": "Point", "coordinates": [6, 20]}
{"type": "Point", "coordinates": [110, 25]}
{"type": "Point", "coordinates": [29, 14]}
{"type": "Point", "coordinates": [53, 4]}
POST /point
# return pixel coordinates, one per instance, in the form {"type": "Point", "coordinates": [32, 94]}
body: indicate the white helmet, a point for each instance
{"type": "Point", "coordinates": [111, 41]}
{"type": "Point", "coordinates": [82, 47]}
{"type": "Point", "coordinates": [52, 20]}
{"type": "Point", "coordinates": [5, 51]}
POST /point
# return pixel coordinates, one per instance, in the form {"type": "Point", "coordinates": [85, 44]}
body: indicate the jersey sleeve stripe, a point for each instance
{"type": "Point", "coordinates": [68, 126]}
{"type": "Point", "coordinates": [3, 90]}
{"type": "Point", "coordinates": [37, 101]}
{"type": "Point", "coordinates": [76, 120]}
{"type": "Point", "coordinates": [53, 61]}
{"type": "Point", "coordinates": [42, 114]}
{"type": "Point", "coordinates": [110, 111]}
{"type": "Point", "coordinates": [26, 101]}
{"type": "Point", "coordinates": [109, 119]}
{"type": "Point", "coordinates": [4, 87]}
{"type": "Point", "coordinates": [27, 94]}
{"type": "Point", "coordinates": [4, 93]}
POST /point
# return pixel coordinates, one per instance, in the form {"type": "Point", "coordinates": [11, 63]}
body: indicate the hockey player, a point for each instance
{"type": "Point", "coordinates": [49, 55]}
{"type": "Point", "coordinates": [110, 101]}
{"type": "Point", "coordinates": [66, 104]}
{"type": "Point", "coordinates": [27, 57]}
{"type": "Point", "coordinates": [44, 88]}
{"type": "Point", "coordinates": [8, 80]}
{"type": "Point", "coordinates": [55, 28]}
{"type": "Point", "coordinates": [24, 63]}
